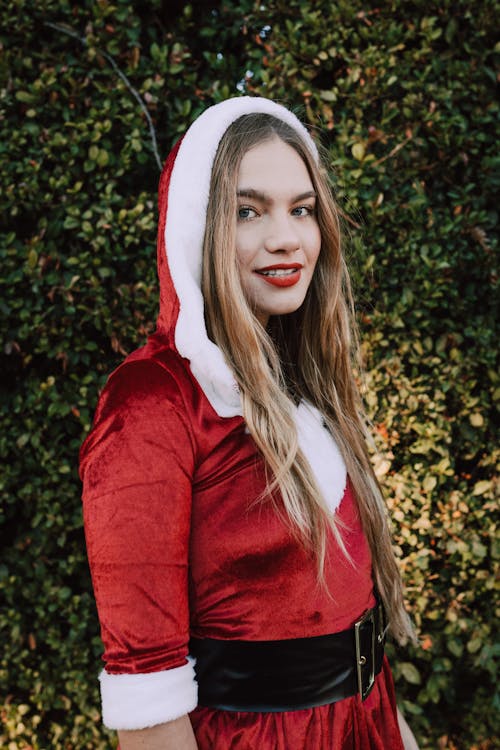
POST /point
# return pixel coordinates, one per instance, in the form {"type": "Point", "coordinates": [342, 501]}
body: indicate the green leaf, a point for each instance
{"type": "Point", "coordinates": [358, 151]}
{"type": "Point", "coordinates": [25, 96]}
{"type": "Point", "coordinates": [482, 487]}
{"type": "Point", "coordinates": [328, 96]}
{"type": "Point", "coordinates": [102, 158]}
{"type": "Point", "coordinates": [410, 673]}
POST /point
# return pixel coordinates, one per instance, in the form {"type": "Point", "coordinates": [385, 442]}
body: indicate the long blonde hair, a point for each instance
{"type": "Point", "coordinates": [308, 354]}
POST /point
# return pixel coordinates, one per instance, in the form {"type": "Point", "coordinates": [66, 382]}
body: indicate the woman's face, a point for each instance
{"type": "Point", "coordinates": [277, 234]}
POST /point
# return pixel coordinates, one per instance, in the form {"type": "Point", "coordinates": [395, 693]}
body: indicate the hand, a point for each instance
{"type": "Point", "coordinates": [169, 736]}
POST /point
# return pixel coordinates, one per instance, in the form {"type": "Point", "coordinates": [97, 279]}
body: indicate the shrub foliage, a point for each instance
{"type": "Point", "coordinates": [401, 95]}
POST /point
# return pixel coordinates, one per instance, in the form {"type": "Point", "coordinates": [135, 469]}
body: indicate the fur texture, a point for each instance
{"type": "Point", "coordinates": [137, 701]}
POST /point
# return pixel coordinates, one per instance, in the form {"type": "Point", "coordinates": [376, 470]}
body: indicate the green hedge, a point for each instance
{"type": "Point", "coordinates": [402, 97]}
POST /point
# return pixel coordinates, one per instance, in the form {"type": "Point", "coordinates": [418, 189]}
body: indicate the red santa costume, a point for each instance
{"type": "Point", "coordinates": [179, 549]}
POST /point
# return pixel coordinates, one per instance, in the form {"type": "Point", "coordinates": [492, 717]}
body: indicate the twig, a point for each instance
{"type": "Point", "coordinates": [120, 74]}
{"type": "Point", "coordinates": [391, 153]}
{"type": "Point", "coordinates": [348, 218]}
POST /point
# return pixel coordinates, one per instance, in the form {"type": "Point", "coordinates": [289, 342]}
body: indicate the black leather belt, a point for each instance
{"type": "Point", "coordinates": [288, 675]}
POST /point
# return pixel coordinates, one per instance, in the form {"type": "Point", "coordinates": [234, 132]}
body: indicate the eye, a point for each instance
{"type": "Point", "coordinates": [245, 213]}
{"type": "Point", "coordinates": [301, 211]}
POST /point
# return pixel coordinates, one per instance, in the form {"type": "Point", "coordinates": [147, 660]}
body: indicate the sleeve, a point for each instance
{"type": "Point", "coordinates": [137, 467]}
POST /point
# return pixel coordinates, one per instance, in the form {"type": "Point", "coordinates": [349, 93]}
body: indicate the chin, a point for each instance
{"type": "Point", "coordinates": [285, 309]}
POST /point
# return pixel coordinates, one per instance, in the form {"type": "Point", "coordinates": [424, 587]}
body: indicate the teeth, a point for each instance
{"type": "Point", "coordinates": [279, 272]}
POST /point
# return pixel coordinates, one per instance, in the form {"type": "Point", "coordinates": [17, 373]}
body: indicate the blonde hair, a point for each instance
{"type": "Point", "coordinates": [307, 354]}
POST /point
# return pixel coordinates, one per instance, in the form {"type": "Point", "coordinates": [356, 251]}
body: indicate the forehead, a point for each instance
{"type": "Point", "coordinates": [272, 167]}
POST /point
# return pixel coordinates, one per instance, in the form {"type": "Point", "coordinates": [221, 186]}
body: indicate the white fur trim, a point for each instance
{"type": "Point", "coordinates": [322, 452]}
{"type": "Point", "coordinates": [187, 204]}
{"type": "Point", "coordinates": [137, 701]}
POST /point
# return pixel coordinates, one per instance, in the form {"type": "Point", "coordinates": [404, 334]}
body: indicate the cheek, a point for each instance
{"type": "Point", "coordinates": [315, 245]}
{"type": "Point", "coordinates": [243, 263]}
{"type": "Point", "coordinates": [242, 259]}
{"type": "Point", "coordinates": [244, 249]}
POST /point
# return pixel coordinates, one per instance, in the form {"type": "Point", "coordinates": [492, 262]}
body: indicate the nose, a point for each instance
{"type": "Point", "coordinates": [282, 235]}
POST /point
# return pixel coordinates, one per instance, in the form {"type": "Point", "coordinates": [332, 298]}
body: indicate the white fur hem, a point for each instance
{"type": "Point", "coordinates": [137, 701]}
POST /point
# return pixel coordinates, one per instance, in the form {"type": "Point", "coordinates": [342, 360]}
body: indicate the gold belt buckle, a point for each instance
{"type": "Point", "coordinates": [362, 659]}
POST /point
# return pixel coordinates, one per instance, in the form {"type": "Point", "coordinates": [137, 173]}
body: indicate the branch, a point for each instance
{"type": "Point", "coordinates": [120, 74]}
{"type": "Point", "coordinates": [391, 153]}
{"type": "Point", "coordinates": [348, 218]}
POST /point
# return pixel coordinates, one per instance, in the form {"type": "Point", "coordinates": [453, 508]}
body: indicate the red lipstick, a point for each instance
{"type": "Point", "coordinates": [281, 274]}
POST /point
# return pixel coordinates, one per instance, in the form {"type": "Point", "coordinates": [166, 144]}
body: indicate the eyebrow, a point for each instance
{"type": "Point", "coordinates": [265, 198]}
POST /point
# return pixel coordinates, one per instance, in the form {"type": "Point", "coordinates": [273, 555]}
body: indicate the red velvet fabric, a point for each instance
{"type": "Point", "coordinates": [178, 545]}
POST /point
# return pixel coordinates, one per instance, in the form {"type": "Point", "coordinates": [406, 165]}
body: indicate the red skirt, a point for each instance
{"type": "Point", "coordinates": [349, 724]}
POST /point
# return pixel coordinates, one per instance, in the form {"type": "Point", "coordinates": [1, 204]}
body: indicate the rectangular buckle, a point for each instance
{"type": "Point", "coordinates": [365, 653]}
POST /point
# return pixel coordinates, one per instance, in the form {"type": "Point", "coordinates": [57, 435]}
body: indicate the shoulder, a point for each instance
{"type": "Point", "coordinates": [149, 378]}
{"type": "Point", "coordinates": [147, 401]}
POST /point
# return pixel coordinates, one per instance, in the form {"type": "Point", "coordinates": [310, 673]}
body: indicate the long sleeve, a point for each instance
{"type": "Point", "coordinates": [137, 467]}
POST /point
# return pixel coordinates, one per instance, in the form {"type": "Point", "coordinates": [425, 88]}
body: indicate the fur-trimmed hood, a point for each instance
{"type": "Point", "coordinates": [183, 201]}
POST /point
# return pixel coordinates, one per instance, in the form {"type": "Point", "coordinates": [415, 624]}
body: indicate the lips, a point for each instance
{"type": "Point", "coordinates": [281, 275]}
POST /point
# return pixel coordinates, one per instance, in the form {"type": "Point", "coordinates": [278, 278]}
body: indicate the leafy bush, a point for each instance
{"type": "Point", "coordinates": [401, 96]}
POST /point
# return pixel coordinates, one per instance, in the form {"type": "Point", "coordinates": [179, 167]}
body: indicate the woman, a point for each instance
{"type": "Point", "coordinates": [236, 534]}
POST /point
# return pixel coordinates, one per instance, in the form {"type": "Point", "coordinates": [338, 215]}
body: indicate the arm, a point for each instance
{"type": "Point", "coordinates": [409, 740]}
{"type": "Point", "coordinates": [137, 468]}
{"type": "Point", "coordinates": [170, 736]}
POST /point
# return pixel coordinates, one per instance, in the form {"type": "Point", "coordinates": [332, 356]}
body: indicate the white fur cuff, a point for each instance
{"type": "Point", "coordinates": [137, 701]}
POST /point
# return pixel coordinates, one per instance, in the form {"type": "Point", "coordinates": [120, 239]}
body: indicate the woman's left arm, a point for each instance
{"type": "Point", "coordinates": [409, 741]}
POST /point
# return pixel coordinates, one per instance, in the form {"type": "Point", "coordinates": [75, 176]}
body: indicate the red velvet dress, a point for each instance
{"type": "Point", "coordinates": [178, 544]}
{"type": "Point", "coordinates": [178, 547]}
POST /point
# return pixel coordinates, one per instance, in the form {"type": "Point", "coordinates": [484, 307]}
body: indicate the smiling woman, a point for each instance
{"type": "Point", "coordinates": [237, 537]}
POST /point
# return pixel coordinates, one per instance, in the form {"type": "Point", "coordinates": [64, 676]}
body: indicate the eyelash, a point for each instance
{"type": "Point", "coordinates": [309, 211]}
{"type": "Point", "coordinates": [245, 208]}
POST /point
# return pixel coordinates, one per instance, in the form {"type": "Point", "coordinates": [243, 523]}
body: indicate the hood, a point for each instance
{"type": "Point", "coordinates": [183, 201]}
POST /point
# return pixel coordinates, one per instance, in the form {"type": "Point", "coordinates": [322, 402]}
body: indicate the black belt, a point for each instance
{"type": "Point", "coordinates": [288, 675]}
